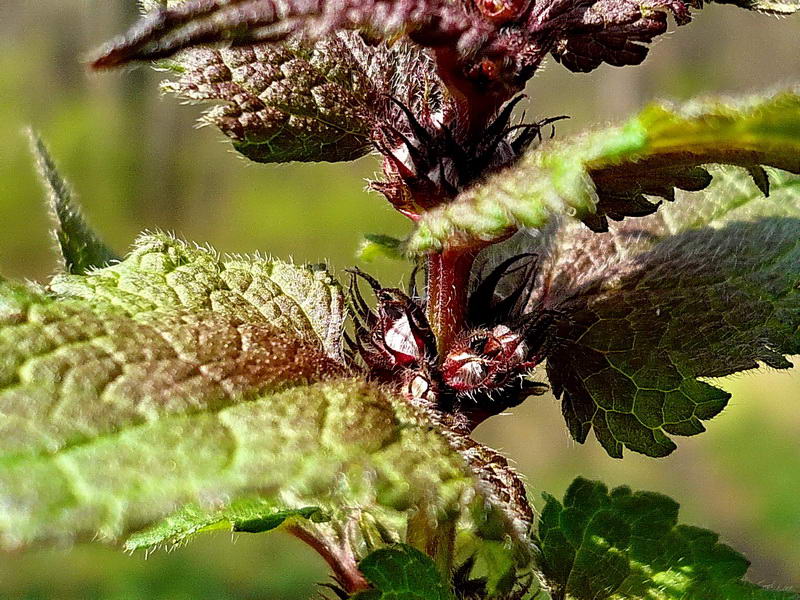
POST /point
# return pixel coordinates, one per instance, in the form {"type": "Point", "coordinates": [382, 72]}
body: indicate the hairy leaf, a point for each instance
{"type": "Point", "coordinates": [706, 287]}
{"type": "Point", "coordinates": [401, 572]}
{"type": "Point", "coordinates": [616, 31]}
{"type": "Point", "coordinates": [494, 522]}
{"type": "Point", "coordinates": [81, 248]}
{"type": "Point", "coordinates": [251, 515]}
{"type": "Point", "coordinates": [132, 365]}
{"type": "Point", "coordinates": [164, 274]}
{"type": "Point", "coordinates": [170, 28]}
{"type": "Point", "coordinates": [610, 31]}
{"type": "Point", "coordinates": [628, 545]}
{"type": "Point", "coordinates": [177, 377]}
{"type": "Point", "coordinates": [279, 104]}
{"type": "Point", "coordinates": [295, 101]}
{"type": "Point", "coordinates": [612, 173]}
{"type": "Point", "coordinates": [484, 48]}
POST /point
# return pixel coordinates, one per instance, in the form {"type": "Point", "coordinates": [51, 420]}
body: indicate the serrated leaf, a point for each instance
{"type": "Point", "coordinates": [612, 173]}
{"type": "Point", "coordinates": [581, 35]}
{"type": "Point", "coordinates": [132, 366]}
{"type": "Point", "coordinates": [250, 515]}
{"type": "Point", "coordinates": [402, 572]}
{"type": "Point", "coordinates": [285, 102]}
{"type": "Point", "coordinates": [291, 445]}
{"type": "Point", "coordinates": [165, 274]}
{"type": "Point", "coordinates": [626, 545]}
{"type": "Point", "coordinates": [177, 377]}
{"type": "Point", "coordinates": [81, 249]}
{"type": "Point", "coordinates": [173, 26]}
{"type": "Point", "coordinates": [616, 32]}
{"type": "Point", "coordinates": [303, 101]}
{"type": "Point", "coordinates": [707, 287]}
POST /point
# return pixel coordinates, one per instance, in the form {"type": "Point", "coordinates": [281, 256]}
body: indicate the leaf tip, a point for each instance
{"type": "Point", "coordinates": [80, 247]}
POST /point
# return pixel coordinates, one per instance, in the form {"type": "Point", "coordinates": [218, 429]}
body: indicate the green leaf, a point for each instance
{"type": "Point", "coordinates": [707, 288]}
{"type": "Point", "coordinates": [81, 248]}
{"type": "Point", "coordinates": [178, 377]}
{"type": "Point", "coordinates": [251, 515]}
{"type": "Point", "coordinates": [628, 545]}
{"type": "Point", "coordinates": [402, 572]}
{"type": "Point", "coordinates": [611, 173]}
{"type": "Point", "coordinates": [162, 273]}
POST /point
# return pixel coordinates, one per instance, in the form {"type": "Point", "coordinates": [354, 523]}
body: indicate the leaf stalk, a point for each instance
{"type": "Point", "coordinates": [340, 559]}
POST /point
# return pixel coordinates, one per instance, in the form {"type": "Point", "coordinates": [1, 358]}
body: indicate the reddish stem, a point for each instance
{"type": "Point", "coordinates": [448, 286]}
{"type": "Point", "coordinates": [449, 271]}
{"type": "Point", "coordinates": [475, 105]}
{"type": "Point", "coordinates": [340, 559]}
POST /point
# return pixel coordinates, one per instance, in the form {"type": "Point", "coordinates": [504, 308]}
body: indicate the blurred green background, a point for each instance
{"type": "Point", "coordinates": [137, 162]}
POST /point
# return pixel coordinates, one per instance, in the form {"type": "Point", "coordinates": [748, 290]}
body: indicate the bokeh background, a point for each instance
{"type": "Point", "coordinates": [137, 162]}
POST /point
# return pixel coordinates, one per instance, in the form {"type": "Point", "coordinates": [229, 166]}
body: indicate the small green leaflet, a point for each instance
{"type": "Point", "coordinates": [610, 173]}
{"type": "Point", "coordinates": [401, 572]}
{"type": "Point", "coordinates": [250, 515]}
{"type": "Point", "coordinates": [626, 545]}
{"type": "Point", "coordinates": [81, 249]}
{"type": "Point", "coordinates": [377, 245]}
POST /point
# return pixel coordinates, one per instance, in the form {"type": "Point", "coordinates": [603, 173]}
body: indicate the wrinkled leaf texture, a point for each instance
{"type": "Point", "coordinates": [303, 101]}
{"type": "Point", "coordinates": [702, 302]}
{"type": "Point", "coordinates": [179, 377]}
{"type": "Point", "coordinates": [320, 95]}
{"type": "Point", "coordinates": [580, 35]}
{"type": "Point", "coordinates": [706, 287]}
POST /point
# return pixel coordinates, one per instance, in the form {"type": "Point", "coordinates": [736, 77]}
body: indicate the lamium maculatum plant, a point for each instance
{"type": "Point", "coordinates": [150, 397]}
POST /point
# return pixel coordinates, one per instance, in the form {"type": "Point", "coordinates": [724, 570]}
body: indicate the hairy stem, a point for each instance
{"type": "Point", "coordinates": [448, 285]}
{"type": "Point", "coordinates": [340, 558]}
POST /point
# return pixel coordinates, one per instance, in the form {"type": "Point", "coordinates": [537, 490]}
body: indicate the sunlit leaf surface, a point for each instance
{"type": "Point", "coordinates": [181, 377]}
{"type": "Point", "coordinates": [626, 545]}
{"type": "Point", "coordinates": [618, 172]}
